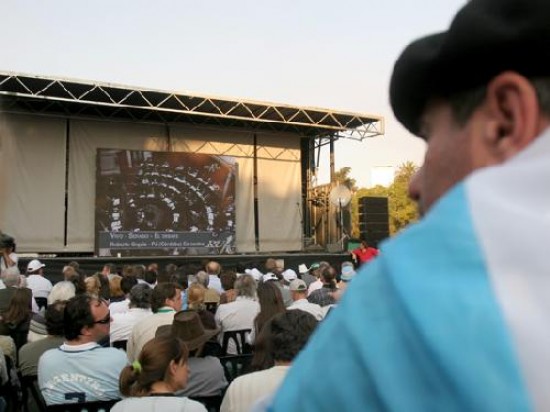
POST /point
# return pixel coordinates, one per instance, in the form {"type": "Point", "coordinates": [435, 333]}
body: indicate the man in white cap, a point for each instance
{"type": "Point", "coordinates": [40, 286]}
{"type": "Point", "coordinates": [298, 289]}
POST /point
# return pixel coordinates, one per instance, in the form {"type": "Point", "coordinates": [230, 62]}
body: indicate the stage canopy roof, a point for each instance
{"type": "Point", "coordinates": [54, 96]}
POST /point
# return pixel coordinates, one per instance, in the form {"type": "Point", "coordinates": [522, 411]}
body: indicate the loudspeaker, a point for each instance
{"type": "Point", "coordinates": [374, 223]}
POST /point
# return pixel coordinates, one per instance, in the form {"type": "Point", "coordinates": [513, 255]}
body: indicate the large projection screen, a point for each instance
{"type": "Point", "coordinates": [164, 203]}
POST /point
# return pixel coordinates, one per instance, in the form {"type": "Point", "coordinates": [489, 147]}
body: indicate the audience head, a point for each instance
{"type": "Point", "coordinates": [195, 296]}
{"type": "Point", "coordinates": [35, 267]}
{"type": "Point", "coordinates": [93, 285]}
{"type": "Point", "coordinates": [141, 296]}
{"type": "Point", "coordinates": [298, 288]}
{"type": "Point", "coordinates": [108, 269]}
{"type": "Point", "coordinates": [11, 277]}
{"type": "Point", "coordinates": [202, 278]}
{"type": "Point", "coordinates": [128, 271]}
{"type": "Point", "coordinates": [166, 294]}
{"type": "Point", "coordinates": [19, 308]}
{"type": "Point", "coordinates": [86, 318]}
{"type": "Point", "coordinates": [271, 303]}
{"type": "Point", "coordinates": [328, 276]}
{"type": "Point", "coordinates": [150, 276]}
{"type": "Point", "coordinates": [228, 278]}
{"type": "Point", "coordinates": [287, 333]}
{"type": "Point", "coordinates": [54, 318]}
{"type": "Point", "coordinates": [115, 288]}
{"type": "Point", "coordinates": [74, 264]}
{"type": "Point", "coordinates": [162, 359]}
{"type": "Point", "coordinates": [139, 271]}
{"type": "Point", "coordinates": [213, 268]}
{"type": "Point", "coordinates": [245, 286]}
{"type": "Point", "coordinates": [127, 283]}
{"type": "Point", "coordinates": [63, 290]}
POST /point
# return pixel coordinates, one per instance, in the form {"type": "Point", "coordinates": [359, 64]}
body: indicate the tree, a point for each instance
{"type": "Point", "coordinates": [342, 176]}
{"type": "Point", "coordinates": [402, 209]}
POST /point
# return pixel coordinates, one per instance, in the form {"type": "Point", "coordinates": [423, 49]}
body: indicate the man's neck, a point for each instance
{"type": "Point", "coordinates": [79, 341]}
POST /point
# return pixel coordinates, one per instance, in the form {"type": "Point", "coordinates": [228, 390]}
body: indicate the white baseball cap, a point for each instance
{"type": "Point", "coordinates": [34, 265]}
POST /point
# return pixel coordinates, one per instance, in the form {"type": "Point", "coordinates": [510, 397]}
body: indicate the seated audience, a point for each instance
{"type": "Point", "coordinates": [149, 384]}
{"type": "Point", "coordinates": [165, 301]}
{"type": "Point", "coordinates": [325, 295]}
{"type": "Point", "coordinates": [93, 285]}
{"type": "Point", "coordinates": [195, 301]}
{"type": "Point", "coordinates": [31, 352]}
{"type": "Point", "coordinates": [61, 291]}
{"type": "Point", "coordinates": [284, 335]}
{"type": "Point", "coordinates": [15, 320]}
{"type": "Point", "coordinates": [76, 278]}
{"type": "Point", "coordinates": [228, 278]}
{"type": "Point", "coordinates": [40, 286]}
{"type": "Point", "coordinates": [80, 369]}
{"type": "Point", "coordinates": [140, 308]}
{"type": "Point", "coordinates": [271, 303]}
{"type": "Point", "coordinates": [116, 292]}
{"type": "Point", "coordinates": [240, 313]}
{"type": "Point", "coordinates": [206, 375]}
{"type": "Point", "coordinates": [126, 285]}
{"type": "Point", "coordinates": [298, 288]}
{"type": "Point", "coordinates": [12, 281]}
{"type": "Point", "coordinates": [211, 295]}
{"type": "Point", "coordinates": [213, 269]}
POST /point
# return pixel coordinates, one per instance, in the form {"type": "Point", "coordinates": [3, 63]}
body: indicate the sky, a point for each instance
{"type": "Point", "coordinates": [334, 55]}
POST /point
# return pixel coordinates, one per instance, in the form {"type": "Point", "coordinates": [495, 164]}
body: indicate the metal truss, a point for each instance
{"type": "Point", "coordinates": [37, 94]}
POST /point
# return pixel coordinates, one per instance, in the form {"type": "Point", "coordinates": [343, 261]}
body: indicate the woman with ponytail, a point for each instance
{"type": "Point", "coordinates": [150, 383]}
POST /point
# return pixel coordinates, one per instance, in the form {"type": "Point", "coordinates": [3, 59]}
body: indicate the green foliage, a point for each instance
{"type": "Point", "coordinates": [342, 176]}
{"type": "Point", "coordinates": [402, 210]}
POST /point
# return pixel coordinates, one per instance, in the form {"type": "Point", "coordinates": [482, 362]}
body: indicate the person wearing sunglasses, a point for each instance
{"type": "Point", "coordinates": [80, 370]}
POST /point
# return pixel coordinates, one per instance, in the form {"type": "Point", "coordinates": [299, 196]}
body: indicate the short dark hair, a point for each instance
{"type": "Point", "coordinates": [78, 314]}
{"type": "Point", "coordinates": [55, 324]}
{"type": "Point", "coordinates": [150, 276]}
{"type": "Point", "coordinates": [127, 283]}
{"type": "Point", "coordinates": [288, 333]}
{"type": "Point", "coordinates": [162, 292]}
{"type": "Point", "coordinates": [228, 278]}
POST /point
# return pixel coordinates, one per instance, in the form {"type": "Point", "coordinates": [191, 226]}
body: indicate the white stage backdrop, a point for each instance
{"type": "Point", "coordinates": [32, 178]}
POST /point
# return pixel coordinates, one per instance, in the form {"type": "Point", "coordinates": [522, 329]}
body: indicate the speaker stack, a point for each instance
{"type": "Point", "coordinates": [373, 219]}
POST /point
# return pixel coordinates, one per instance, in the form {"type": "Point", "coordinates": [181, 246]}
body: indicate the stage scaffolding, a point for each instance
{"type": "Point", "coordinates": [69, 98]}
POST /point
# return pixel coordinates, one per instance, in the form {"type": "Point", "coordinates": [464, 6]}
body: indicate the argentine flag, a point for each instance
{"type": "Point", "coordinates": [455, 313]}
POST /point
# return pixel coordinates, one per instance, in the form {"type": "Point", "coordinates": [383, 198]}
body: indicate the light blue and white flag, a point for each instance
{"type": "Point", "coordinates": [455, 313]}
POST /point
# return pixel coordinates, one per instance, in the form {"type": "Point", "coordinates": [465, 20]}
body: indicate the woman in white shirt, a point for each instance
{"type": "Point", "coordinates": [152, 381]}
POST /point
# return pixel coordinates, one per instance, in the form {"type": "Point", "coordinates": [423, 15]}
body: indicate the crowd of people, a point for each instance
{"type": "Point", "coordinates": [450, 316]}
{"type": "Point", "coordinates": [143, 332]}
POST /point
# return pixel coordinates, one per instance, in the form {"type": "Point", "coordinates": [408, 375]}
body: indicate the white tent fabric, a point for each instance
{"type": "Point", "coordinates": [32, 181]}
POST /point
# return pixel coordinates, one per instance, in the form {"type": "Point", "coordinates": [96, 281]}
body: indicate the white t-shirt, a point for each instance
{"type": "Point", "coordinates": [40, 286]}
{"type": "Point", "coordinates": [247, 389]}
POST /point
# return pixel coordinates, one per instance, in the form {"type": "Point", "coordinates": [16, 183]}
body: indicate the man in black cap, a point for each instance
{"type": "Point", "coordinates": [454, 314]}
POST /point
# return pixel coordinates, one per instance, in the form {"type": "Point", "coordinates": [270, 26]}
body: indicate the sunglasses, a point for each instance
{"type": "Point", "coordinates": [105, 320]}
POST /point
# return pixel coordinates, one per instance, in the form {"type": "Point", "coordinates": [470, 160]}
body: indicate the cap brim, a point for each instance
{"type": "Point", "coordinates": [166, 330]}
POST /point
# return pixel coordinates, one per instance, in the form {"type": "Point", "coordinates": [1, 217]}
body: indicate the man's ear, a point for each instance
{"type": "Point", "coordinates": [515, 116]}
{"type": "Point", "coordinates": [85, 331]}
{"type": "Point", "coordinates": [173, 367]}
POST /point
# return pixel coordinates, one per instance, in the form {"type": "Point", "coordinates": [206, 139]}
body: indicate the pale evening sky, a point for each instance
{"type": "Point", "coordinates": [336, 55]}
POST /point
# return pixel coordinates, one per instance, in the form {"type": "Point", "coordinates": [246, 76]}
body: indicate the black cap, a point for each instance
{"type": "Point", "coordinates": [486, 37]}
